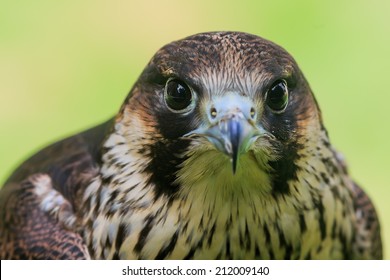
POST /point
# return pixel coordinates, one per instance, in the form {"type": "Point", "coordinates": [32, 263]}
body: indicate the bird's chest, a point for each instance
{"type": "Point", "coordinates": [220, 225]}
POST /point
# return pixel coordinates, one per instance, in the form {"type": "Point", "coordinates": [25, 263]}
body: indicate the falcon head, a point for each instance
{"type": "Point", "coordinates": [224, 108]}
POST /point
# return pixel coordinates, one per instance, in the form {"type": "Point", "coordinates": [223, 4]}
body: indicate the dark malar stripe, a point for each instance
{"type": "Point", "coordinates": [165, 163]}
{"type": "Point", "coordinates": [283, 171]}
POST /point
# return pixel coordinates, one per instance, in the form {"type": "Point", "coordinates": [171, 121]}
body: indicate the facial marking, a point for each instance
{"type": "Point", "coordinates": [187, 202]}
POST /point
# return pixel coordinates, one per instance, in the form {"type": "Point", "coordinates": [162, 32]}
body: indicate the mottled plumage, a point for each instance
{"type": "Point", "coordinates": [218, 152]}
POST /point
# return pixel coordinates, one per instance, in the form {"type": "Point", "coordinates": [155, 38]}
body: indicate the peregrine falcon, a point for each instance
{"type": "Point", "coordinates": [218, 152]}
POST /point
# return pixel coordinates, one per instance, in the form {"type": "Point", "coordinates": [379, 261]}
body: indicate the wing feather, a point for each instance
{"type": "Point", "coordinates": [368, 241]}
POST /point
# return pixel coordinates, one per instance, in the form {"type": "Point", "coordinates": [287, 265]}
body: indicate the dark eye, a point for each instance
{"type": "Point", "coordinates": [178, 96]}
{"type": "Point", "coordinates": [277, 96]}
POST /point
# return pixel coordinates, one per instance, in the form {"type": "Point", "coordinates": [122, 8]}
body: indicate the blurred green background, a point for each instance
{"type": "Point", "coordinates": [67, 65]}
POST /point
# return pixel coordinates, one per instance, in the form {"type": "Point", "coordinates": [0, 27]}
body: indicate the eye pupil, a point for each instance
{"type": "Point", "coordinates": [277, 96]}
{"type": "Point", "coordinates": [178, 95]}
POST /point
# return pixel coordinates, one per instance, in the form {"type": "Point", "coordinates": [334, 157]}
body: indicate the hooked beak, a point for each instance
{"type": "Point", "coordinates": [231, 127]}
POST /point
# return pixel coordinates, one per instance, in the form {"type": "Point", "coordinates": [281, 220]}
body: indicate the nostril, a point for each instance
{"type": "Point", "coordinates": [213, 112]}
{"type": "Point", "coordinates": [253, 112]}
